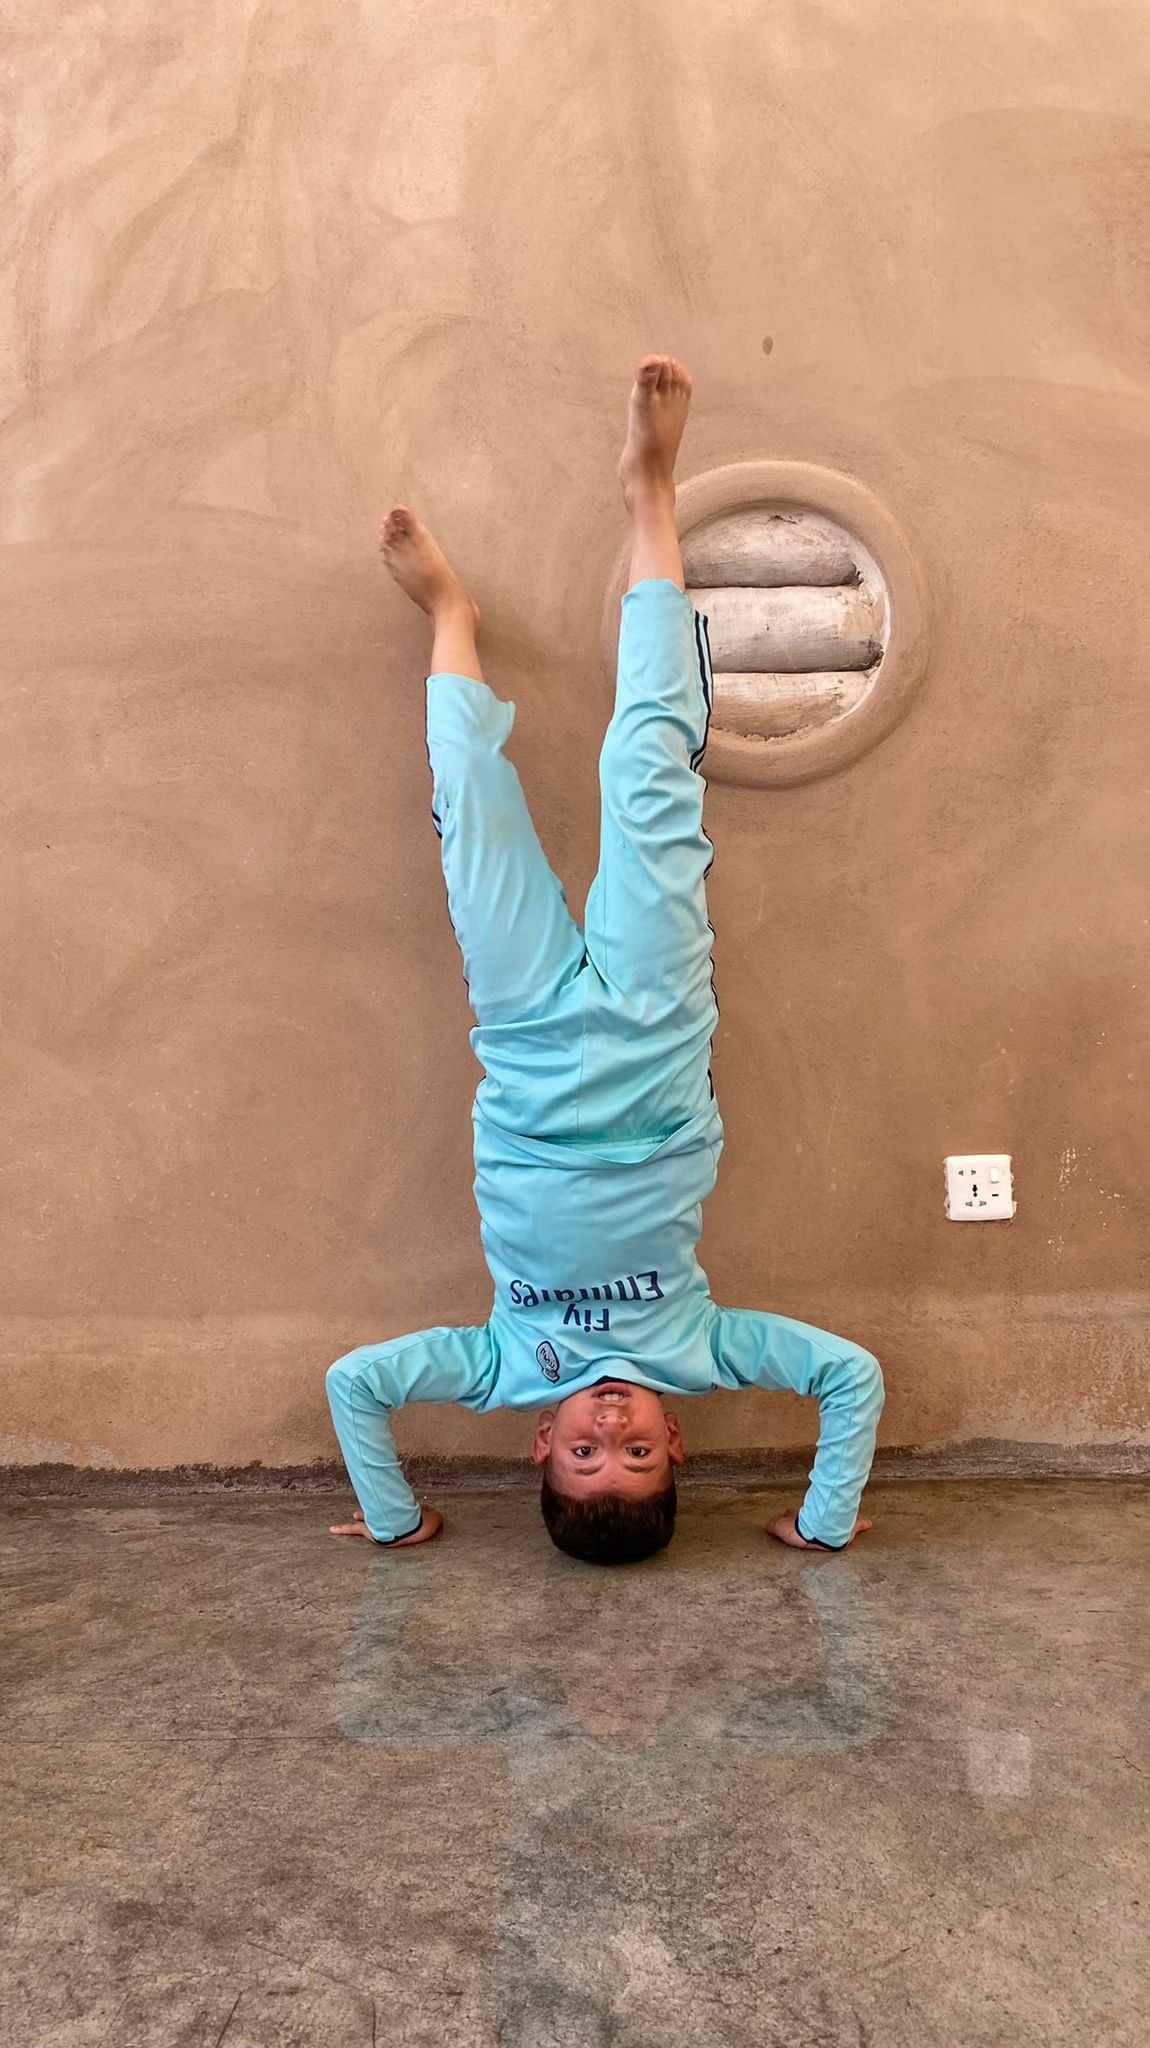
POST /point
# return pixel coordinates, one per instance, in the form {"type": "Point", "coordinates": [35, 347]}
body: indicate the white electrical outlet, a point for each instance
{"type": "Point", "coordinates": [979, 1188]}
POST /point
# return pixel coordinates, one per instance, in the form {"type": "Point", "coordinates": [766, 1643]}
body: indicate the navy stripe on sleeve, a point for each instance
{"type": "Point", "coordinates": [817, 1541]}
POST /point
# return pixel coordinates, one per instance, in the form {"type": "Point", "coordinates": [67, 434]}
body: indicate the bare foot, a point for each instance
{"type": "Point", "coordinates": [414, 557]}
{"type": "Point", "coordinates": [660, 401]}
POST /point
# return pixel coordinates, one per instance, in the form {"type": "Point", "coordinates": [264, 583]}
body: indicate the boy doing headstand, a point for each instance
{"type": "Point", "coordinates": [597, 1133]}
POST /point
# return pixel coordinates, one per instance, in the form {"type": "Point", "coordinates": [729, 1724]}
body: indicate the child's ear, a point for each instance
{"type": "Point", "coordinates": [675, 1450]}
{"type": "Point", "coordinates": [541, 1447]}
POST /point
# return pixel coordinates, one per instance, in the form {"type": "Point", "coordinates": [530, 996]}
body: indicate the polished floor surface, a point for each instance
{"type": "Point", "coordinates": [266, 1790]}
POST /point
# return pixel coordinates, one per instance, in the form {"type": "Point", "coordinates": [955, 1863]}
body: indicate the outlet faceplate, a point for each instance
{"type": "Point", "coordinates": [979, 1188]}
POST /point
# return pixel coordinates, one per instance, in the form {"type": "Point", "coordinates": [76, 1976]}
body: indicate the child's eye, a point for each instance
{"type": "Point", "coordinates": [634, 1451]}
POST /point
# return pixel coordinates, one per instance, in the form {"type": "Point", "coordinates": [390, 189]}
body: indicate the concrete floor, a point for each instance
{"type": "Point", "coordinates": [272, 1791]}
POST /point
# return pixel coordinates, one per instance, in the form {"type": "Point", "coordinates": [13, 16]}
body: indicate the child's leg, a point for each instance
{"type": "Point", "coordinates": [519, 942]}
{"type": "Point", "coordinates": [647, 927]}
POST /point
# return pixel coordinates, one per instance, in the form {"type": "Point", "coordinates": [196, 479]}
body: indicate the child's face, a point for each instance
{"type": "Point", "coordinates": [613, 1438]}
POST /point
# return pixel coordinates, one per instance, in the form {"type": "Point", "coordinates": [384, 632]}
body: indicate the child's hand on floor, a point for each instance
{"type": "Point", "coordinates": [430, 1526]}
{"type": "Point", "coordinates": [785, 1528]}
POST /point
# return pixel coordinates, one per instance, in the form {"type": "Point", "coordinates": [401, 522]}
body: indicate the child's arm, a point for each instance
{"type": "Point", "coordinates": [362, 1390]}
{"type": "Point", "coordinates": [752, 1349]}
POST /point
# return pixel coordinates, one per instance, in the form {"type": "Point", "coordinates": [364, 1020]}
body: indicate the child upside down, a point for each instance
{"type": "Point", "coordinates": [597, 1132]}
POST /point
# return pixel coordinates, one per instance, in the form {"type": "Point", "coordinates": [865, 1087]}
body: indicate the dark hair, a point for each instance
{"type": "Point", "coordinates": [606, 1529]}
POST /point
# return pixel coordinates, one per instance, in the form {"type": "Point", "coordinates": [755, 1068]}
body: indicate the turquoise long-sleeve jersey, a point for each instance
{"type": "Point", "coordinates": [640, 1310]}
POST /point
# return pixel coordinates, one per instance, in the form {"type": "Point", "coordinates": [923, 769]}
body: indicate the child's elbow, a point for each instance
{"type": "Point", "coordinates": [343, 1378]}
{"type": "Point", "coordinates": [869, 1382]}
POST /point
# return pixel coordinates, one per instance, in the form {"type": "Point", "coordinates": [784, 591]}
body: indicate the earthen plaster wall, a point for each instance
{"type": "Point", "coordinates": [268, 267]}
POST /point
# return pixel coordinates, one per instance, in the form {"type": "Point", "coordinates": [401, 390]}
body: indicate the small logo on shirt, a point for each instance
{"type": "Point", "coordinates": [548, 1362]}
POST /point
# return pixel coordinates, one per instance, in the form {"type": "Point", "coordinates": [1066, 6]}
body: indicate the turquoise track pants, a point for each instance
{"type": "Point", "coordinates": [604, 1031]}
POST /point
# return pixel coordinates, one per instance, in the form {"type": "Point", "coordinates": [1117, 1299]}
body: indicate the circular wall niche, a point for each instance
{"type": "Point", "coordinates": [816, 614]}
